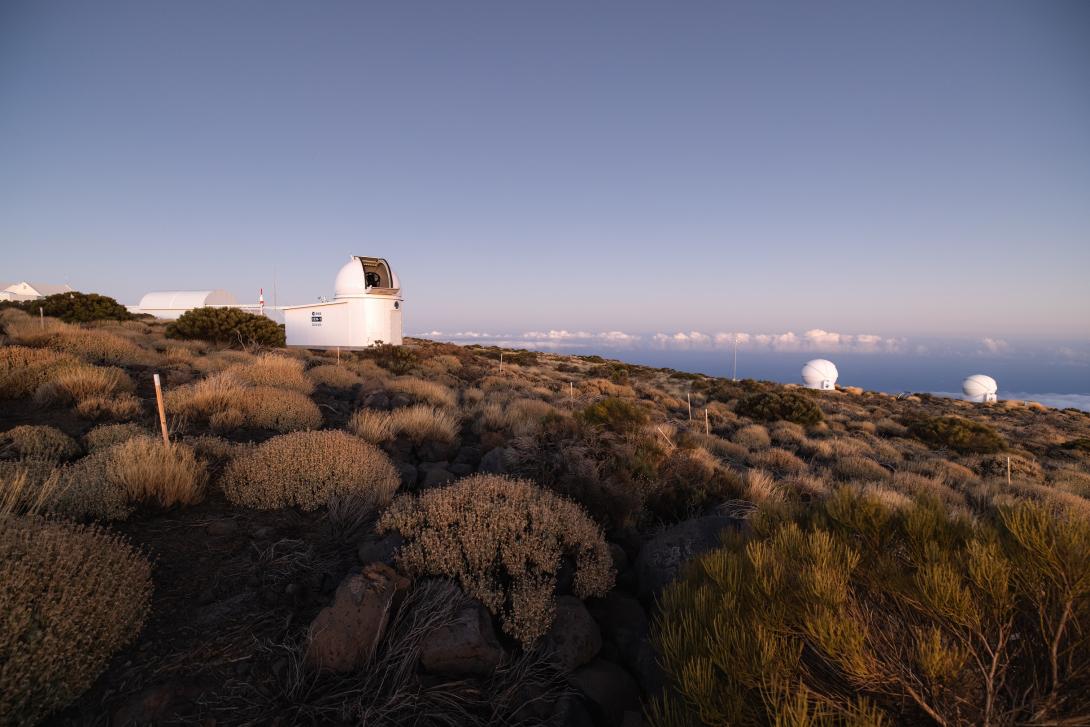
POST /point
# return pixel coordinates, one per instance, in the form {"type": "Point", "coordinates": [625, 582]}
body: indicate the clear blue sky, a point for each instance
{"type": "Point", "coordinates": [868, 167]}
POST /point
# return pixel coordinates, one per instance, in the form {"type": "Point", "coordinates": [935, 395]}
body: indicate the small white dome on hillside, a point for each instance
{"type": "Point", "coordinates": [819, 374]}
{"type": "Point", "coordinates": [979, 388]}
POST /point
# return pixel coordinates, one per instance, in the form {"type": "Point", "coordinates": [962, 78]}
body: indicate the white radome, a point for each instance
{"type": "Point", "coordinates": [819, 374]}
{"type": "Point", "coordinates": [979, 388]}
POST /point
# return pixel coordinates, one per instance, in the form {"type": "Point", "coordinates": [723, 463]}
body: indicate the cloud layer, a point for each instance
{"type": "Point", "coordinates": [815, 340]}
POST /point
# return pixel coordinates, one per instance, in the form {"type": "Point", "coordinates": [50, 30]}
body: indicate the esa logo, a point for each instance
{"type": "Point", "coordinates": [315, 318]}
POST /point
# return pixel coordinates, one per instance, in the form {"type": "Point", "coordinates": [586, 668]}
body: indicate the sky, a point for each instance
{"type": "Point", "coordinates": [869, 171]}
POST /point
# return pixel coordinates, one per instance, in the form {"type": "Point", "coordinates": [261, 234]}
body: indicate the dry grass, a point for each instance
{"type": "Point", "coordinates": [274, 370]}
{"type": "Point", "coordinates": [753, 436]}
{"type": "Point", "coordinates": [226, 403]}
{"type": "Point", "coordinates": [424, 391]}
{"type": "Point", "coordinates": [33, 441]}
{"type": "Point", "coordinates": [778, 461]}
{"type": "Point", "coordinates": [422, 423]}
{"type": "Point", "coordinates": [371, 425]}
{"type": "Point", "coordinates": [89, 344]}
{"type": "Point", "coordinates": [119, 407]}
{"type": "Point", "coordinates": [76, 384]}
{"type": "Point", "coordinates": [150, 471]}
{"type": "Point", "coordinates": [503, 540]}
{"type": "Point", "coordinates": [761, 487]}
{"type": "Point", "coordinates": [859, 468]}
{"type": "Point", "coordinates": [308, 469]}
{"type": "Point", "coordinates": [73, 596]}
{"type": "Point", "coordinates": [27, 487]}
{"type": "Point", "coordinates": [23, 369]}
{"type": "Point", "coordinates": [107, 435]}
{"type": "Point", "coordinates": [334, 376]}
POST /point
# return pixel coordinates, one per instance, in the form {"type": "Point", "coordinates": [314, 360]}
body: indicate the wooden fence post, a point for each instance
{"type": "Point", "coordinates": [162, 411]}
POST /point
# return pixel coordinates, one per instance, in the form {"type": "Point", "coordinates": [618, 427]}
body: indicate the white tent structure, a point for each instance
{"type": "Point", "coordinates": [173, 303]}
{"type": "Point", "coordinates": [32, 291]}
{"type": "Point", "coordinates": [819, 374]}
{"type": "Point", "coordinates": [979, 388]}
{"type": "Point", "coordinates": [365, 310]}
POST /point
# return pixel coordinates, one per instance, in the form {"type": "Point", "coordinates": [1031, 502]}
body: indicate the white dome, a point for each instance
{"type": "Point", "coordinates": [979, 387]}
{"type": "Point", "coordinates": [819, 374]}
{"type": "Point", "coordinates": [350, 280]}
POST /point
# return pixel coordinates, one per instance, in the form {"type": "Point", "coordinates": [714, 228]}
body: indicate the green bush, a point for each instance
{"type": "Point", "coordinates": [858, 614]}
{"type": "Point", "coordinates": [788, 406]}
{"type": "Point", "coordinates": [614, 414]}
{"type": "Point", "coordinates": [395, 359]}
{"type": "Point", "coordinates": [78, 307]}
{"type": "Point", "coordinates": [956, 433]}
{"type": "Point", "coordinates": [227, 325]}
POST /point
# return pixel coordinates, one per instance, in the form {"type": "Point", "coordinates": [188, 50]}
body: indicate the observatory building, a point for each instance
{"type": "Point", "coordinates": [365, 310]}
{"type": "Point", "coordinates": [172, 304]}
{"type": "Point", "coordinates": [819, 374]}
{"type": "Point", "coordinates": [979, 388]}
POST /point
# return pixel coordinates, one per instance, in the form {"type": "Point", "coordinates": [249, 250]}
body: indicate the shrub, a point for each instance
{"type": "Point", "coordinates": [308, 469]}
{"type": "Point", "coordinates": [148, 470]}
{"type": "Point", "coordinates": [33, 441]}
{"type": "Point", "coordinates": [428, 392]}
{"type": "Point", "coordinates": [73, 596]}
{"type": "Point", "coordinates": [226, 326]}
{"type": "Point", "coordinates": [690, 483]}
{"type": "Point", "coordinates": [335, 377]}
{"type": "Point", "coordinates": [961, 435]}
{"type": "Point", "coordinates": [79, 307]}
{"type": "Point", "coordinates": [503, 540]}
{"type": "Point", "coordinates": [771, 406]}
{"type": "Point", "coordinates": [422, 423]}
{"type": "Point", "coordinates": [371, 426]}
{"type": "Point", "coordinates": [397, 360]}
{"type": "Point", "coordinates": [274, 370]}
{"type": "Point", "coordinates": [859, 468]}
{"type": "Point", "coordinates": [918, 615]}
{"type": "Point", "coordinates": [23, 369]}
{"type": "Point", "coordinates": [107, 435]}
{"type": "Point", "coordinates": [73, 385]}
{"type": "Point", "coordinates": [226, 403]}
{"type": "Point", "coordinates": [753, 436]}
{"type": "Point", "coordinates": [779, 461]}
{"type": "Point", "coordinates": [995, 467]}
{"type": "Point", "coordinates": [614, 414]}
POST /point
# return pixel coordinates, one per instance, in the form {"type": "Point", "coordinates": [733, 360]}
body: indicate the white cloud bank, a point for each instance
{"type": "Point", "coordinates": [815, 340]}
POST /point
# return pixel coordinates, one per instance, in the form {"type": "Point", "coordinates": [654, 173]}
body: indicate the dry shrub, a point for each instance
{"type": "Point", "coordinates": [917, 485]}
{"type": "Point", "coordinates": [859, 468]}
{"type": "Point", "coordinates": [281, 409]}
{"type": "Point", "coordinates": [149, 470]}
{"type": "Point", "coordinates": [1071, 480]}
{"type": "Point", "coordinates": [787, 433]}
{"type": "Point", "coordinates": [73, 596]}
{"type": "Point", "coordinates": [76, 384]}
{"type": "Point", "coordinates": [107, 435]}
{"type": "Point", "coordinates": [865, 426]}
{"type": "Point", "coordinates": [34, 441]}
{"type": "Point", "coordinates": [778, 461]}
{"type": "Point", "coordinates": [603, 387]}
{"type": "Point", "coordinates": [27, 487]}
{"type": "Point", "coordinates": [225, 402]}
{"type": "Point", "coordinates": [520, 416]}
{"type": "Point", "coordinates": [422, 423]}
{"type": "Point", "coordinates": [94, 345]}
{"type": "Point", "coordinates": [371, 426]}
{"type": "Point", "coordinates": [761, 487]}
{"type": "Point", "coordinates": [726, 450]}
{"type": "Point", "coordinates": [308, 469]}
{"type": "Point", "coordinates": [994, 467]}
{"type": "Point", "coordinates": [754, 436]}
{"type": "Point", "coordinates": [887, 427]}
{"type": "Point", "coordinates": [472, 395]}
{"type": "Point", "coordinates": [334, 376]}
{"type": "Point", "coordinates": [121, 407]}
{"type": "Point", "coordinates": [424, 391]}
{"type": "Point", "coordinates": [690, 482]}
{"type": "Point", "coordinates": [274, 370]}
{"type": "Point", "coordinates": [504, 541]}
{"type": "Point", "coordinates": [23, 369]}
